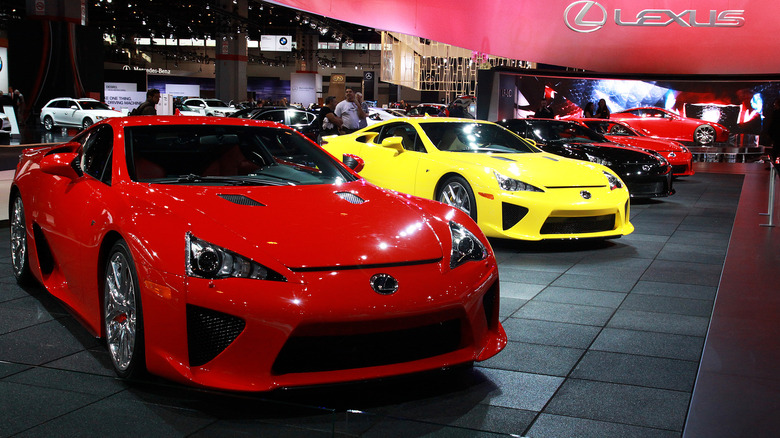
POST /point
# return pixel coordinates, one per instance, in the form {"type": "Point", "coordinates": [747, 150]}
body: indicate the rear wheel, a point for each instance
{"type": "Point", "coordinates": [122, 313]}
{"type": "Point", "coordinates": [456, 191]}
{"type": "Point", "coordinates": [704, 135]}
{"type": "Point", "coordinates": [19, 257]}
{"type": "Point", "coordinates": [48, 123]}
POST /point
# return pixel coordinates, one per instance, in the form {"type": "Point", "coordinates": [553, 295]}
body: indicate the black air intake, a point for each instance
{"type": "Point", "coordinates": [209, 333]}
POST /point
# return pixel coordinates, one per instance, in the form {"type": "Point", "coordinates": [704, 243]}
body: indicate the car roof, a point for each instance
{"type": "Point", "coordinates": [130, 121]}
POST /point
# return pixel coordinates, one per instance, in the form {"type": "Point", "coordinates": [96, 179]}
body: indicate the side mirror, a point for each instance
{"type": "Point", "coordinates": [74, 107]}
{"type": "Point", "coordinates": [61, 163]}
{"type": "Point", "coordinates": [393, 143]}
{"type": "Point", "coordinates": [353, 162]}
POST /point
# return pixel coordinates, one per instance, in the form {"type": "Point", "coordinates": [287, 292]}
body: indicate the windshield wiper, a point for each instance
{"type": "Point", "coordinates": [230, 180]}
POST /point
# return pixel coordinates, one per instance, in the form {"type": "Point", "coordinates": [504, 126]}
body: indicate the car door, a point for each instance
{"type": "Point", "coordinates": [393, 168]}
{"type": "Point", "coordinates": [78, 217]}
{"type": "Point", "coordinates": [60, 112]}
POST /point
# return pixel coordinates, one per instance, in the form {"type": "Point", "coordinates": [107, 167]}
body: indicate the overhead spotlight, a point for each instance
{"type": "Point", "coordinates": [323, 30]}
{"type": "Point", "coordinates": [313, 25]}
{"type": "Point", "coordinates": [297, 17]}
{"type": "Point", "coordinates": [305, 20]}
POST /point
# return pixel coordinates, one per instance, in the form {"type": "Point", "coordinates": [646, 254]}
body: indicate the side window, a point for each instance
{"type": "Point", "coordinates": [71, 103]}
{"type": "Point", "coordinates": [298, 118]}
{"type": "Point", "coordinates": [96, 156]}
{"type": "Point", "coordinates": [273, 116]}
{"type": "Point", "coordinates": [407, 133]}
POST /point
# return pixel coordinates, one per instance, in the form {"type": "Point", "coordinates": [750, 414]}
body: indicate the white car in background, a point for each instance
{"type": "Point", "coordinates": [376, 115]}
{"type": "Point", "coordinates": [211, 107]}
{"type": "Point", "coordinates": [5, 124]}
{"type": "Point", "coordinates": [79, 113]}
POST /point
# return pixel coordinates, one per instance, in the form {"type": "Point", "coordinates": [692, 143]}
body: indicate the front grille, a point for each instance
{"type": "Point", "coordinates": [305, 354]}
{"type": "Point", "coordinates": [512, 214]}
{"type": "Point", "coordinates": [647, 188]}
{"type": "Point", "coordinates": [209, 333]}
{"type": "Point", "coordinates": [578, 225]}
{"type": "Point", "coordinates": [679, 168]}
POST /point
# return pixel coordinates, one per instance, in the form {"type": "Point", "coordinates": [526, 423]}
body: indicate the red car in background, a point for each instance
{"type": "Point", "coordinates": [661, 123]}
{"type": "Point", "coordinates": [620, 132]}
{"type": "Point", "coordinates": [428, 109]}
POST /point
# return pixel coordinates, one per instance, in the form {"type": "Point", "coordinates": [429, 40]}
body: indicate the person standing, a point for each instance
{"type": "Point", "coordinates": [147, 108]}
{"type": "Point", "coordinates": [587, 113]}
{"type": "Point", "coordinates": [327, 121]}
{"type": "Point", "coordinates": [602, 112]}
{"type": "Point", "coordinates": [350, 112]}
{"type": "Point", "coordinates": [362, 123]}
{"type": "Point", "coordinates": [544, 112]}
{"type": "Point", "coordinates": [774, 132]}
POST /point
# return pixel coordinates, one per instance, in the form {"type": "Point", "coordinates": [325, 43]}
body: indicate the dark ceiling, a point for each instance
{"type": "Point", "coordinates": [199, 19]}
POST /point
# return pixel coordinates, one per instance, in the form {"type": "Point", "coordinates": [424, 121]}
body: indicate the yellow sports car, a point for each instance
{"type": "Point", "coordinates": [509, 186]}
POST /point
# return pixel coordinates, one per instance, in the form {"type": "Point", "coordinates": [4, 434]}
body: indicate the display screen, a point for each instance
{"type": "Point", "coordinates": [741, 106]}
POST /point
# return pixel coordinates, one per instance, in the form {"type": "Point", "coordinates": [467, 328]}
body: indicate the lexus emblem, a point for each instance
{"type": "Point", "coordinates": [384, 284]}
{"type": "Point", "coordinates": [585, 194]}
{"type": "Point", "coordinates": [575, 13]}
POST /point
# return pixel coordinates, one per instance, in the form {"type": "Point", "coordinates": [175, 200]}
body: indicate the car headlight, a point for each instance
{"type": "Point", "coordinates": [513, 185]}
{"type": "Point", "coordinates": [598, 160]}
{"type": "Point", "coordinates": [99, 117]}
{"type": "Point", "coordinates": [685, 149]}
{"type": "Point", "coordinates": [465, 246]}
{"type": "Point", "coordinates": [219, 113]}
{"type": "Point", "coordinates": [206, 260]}
{"type": "Point", "coordinates": [614, 181]}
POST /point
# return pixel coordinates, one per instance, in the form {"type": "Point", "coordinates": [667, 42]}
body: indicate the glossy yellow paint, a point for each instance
{"type": "Point", "coordinates": [422, 173]}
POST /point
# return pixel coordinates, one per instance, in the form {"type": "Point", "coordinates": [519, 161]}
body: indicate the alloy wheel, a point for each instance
{"type": "Point", "coordinates": [120, 311]}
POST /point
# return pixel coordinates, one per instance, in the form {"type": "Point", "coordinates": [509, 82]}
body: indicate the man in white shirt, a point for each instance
{"type": "Point", "coordinates": [350, 112]}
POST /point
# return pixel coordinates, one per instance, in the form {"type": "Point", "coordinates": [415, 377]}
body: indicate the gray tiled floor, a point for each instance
{"type": "Point", "coordinates": [605, 341]}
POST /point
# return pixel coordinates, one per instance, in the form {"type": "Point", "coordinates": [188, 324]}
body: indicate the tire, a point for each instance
{"type": "Point", "coordinates": [20, 259]}
{"type": "Point", "coordinates": [704, 135]}
{"type": "Point", "coordinates": [48, 123]}
{"type": "Point", "coordinates": [122, 314]}
{"type": "Point", "coordinates": [456, 191]}
{"type": "Point", "coordinates": [86, 123]}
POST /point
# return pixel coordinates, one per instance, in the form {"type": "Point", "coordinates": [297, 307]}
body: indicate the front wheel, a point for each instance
{"type": "Point", "coordinates": [86, 123]}
{"type": "Point", "coordinates": [48, 123]}
{"type": "Point", "coordinates": [122, 314]}
{"type": "Point", "coordinates": [704, 135]}
{"type": "Point", "coordinates": [456, 191]}
{"type": "Point", "coordinates": [20, 260]}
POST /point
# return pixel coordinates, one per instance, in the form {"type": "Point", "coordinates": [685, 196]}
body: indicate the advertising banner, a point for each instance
{"type": "Point", "coordinates": [303, 88]}
{"type": "Point", "coordinates": [628, 36]}
{"type": "Point", "coordinates": [124, 101]}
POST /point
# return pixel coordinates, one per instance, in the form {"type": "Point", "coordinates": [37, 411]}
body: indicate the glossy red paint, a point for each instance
{"type": "Point", "coordinates": [326, 248]}
{"type": "Point", "coordinates": [661, 123]}
{"type": "Point", "coordinates": [620, 132]}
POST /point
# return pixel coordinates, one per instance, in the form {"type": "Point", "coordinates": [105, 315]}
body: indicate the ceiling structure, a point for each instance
{"type": "Point", "coordinates": [200, 19]}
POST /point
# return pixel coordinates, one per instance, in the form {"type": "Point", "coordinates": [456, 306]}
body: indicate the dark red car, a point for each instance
{"type": "Point", "coordinates": [661, 123]}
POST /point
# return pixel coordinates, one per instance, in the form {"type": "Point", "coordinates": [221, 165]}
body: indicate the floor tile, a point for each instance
{"type": "Point", "coordinates": [556, 426]}
{"type": "Point", "coordinates": [615, 283]}
{"type": "Point", "coordinates": [649, 344]}
{"type": "Point", "coordinates": [660, 408]}
{"type": "Point", "coordinates": [659, 322]}
{"type": "Point", "coordinates": [559, 334]}
{"type": "Point", "coordinates": [677, 290]}
{"type": "Point", "coordinates": [674, 305]}
{"type": "Point", "coordinates": [683, 272]}
{"type": "Point", "coordinates": [637, 370]}
{"type": "Point", "coordinates": [535, 358]}
{"type": "Point", "coordinates": [581, 296]}
{"type": "Point", "coordinates": [571, 313]}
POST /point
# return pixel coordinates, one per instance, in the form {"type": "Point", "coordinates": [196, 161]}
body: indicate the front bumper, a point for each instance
{"type": "Point", "coordinates": [558, 213]}
{"type": "Point", "coordinates": [331, 327]}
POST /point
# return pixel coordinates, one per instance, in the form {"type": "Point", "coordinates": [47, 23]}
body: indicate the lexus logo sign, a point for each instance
{"type": "Point", "coordinates": [574, 16]}
{"type": "Point", "coordinates": [384, 284]}
{"type": "Point", "coordinates": [587, 16]}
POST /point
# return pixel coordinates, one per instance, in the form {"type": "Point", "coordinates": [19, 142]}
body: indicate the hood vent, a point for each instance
{"type": "Point", "coordinates": [503, 158]}
{"type": "Point", "coordinates": [351, 197]}
{"type": "Point", "coordinates": [241, 200]}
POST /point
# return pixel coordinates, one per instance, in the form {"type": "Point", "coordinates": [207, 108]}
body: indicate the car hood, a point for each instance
{"type": "Point", "coordinates": [348, 225]}
{"type": "Point", "coordinates": [614, 152]}
{"type": "Point", "coordinates": [539, 168]}
{"type": "Point", "coordinates": [645, 142]}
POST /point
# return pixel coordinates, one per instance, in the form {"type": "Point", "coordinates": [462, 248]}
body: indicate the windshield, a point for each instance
{"type": "Point", "coordinates": [228, 155]}
{"type": "Point", "coordinates": [215, 102]}
{"type": "Point", "coordinates": [564, 132]}
{"type": "Point", "coordinates": [475, 137]}
{"type": "Point", "coordinates": [89, 105]}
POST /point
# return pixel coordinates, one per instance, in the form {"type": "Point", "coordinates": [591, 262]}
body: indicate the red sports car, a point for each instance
{"type": "Point", "coordinates": [658, 122]}
{"type": "Point", "coordinates": [237, 254]}
{"type": "Point", "coordinates": [619, 132]}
